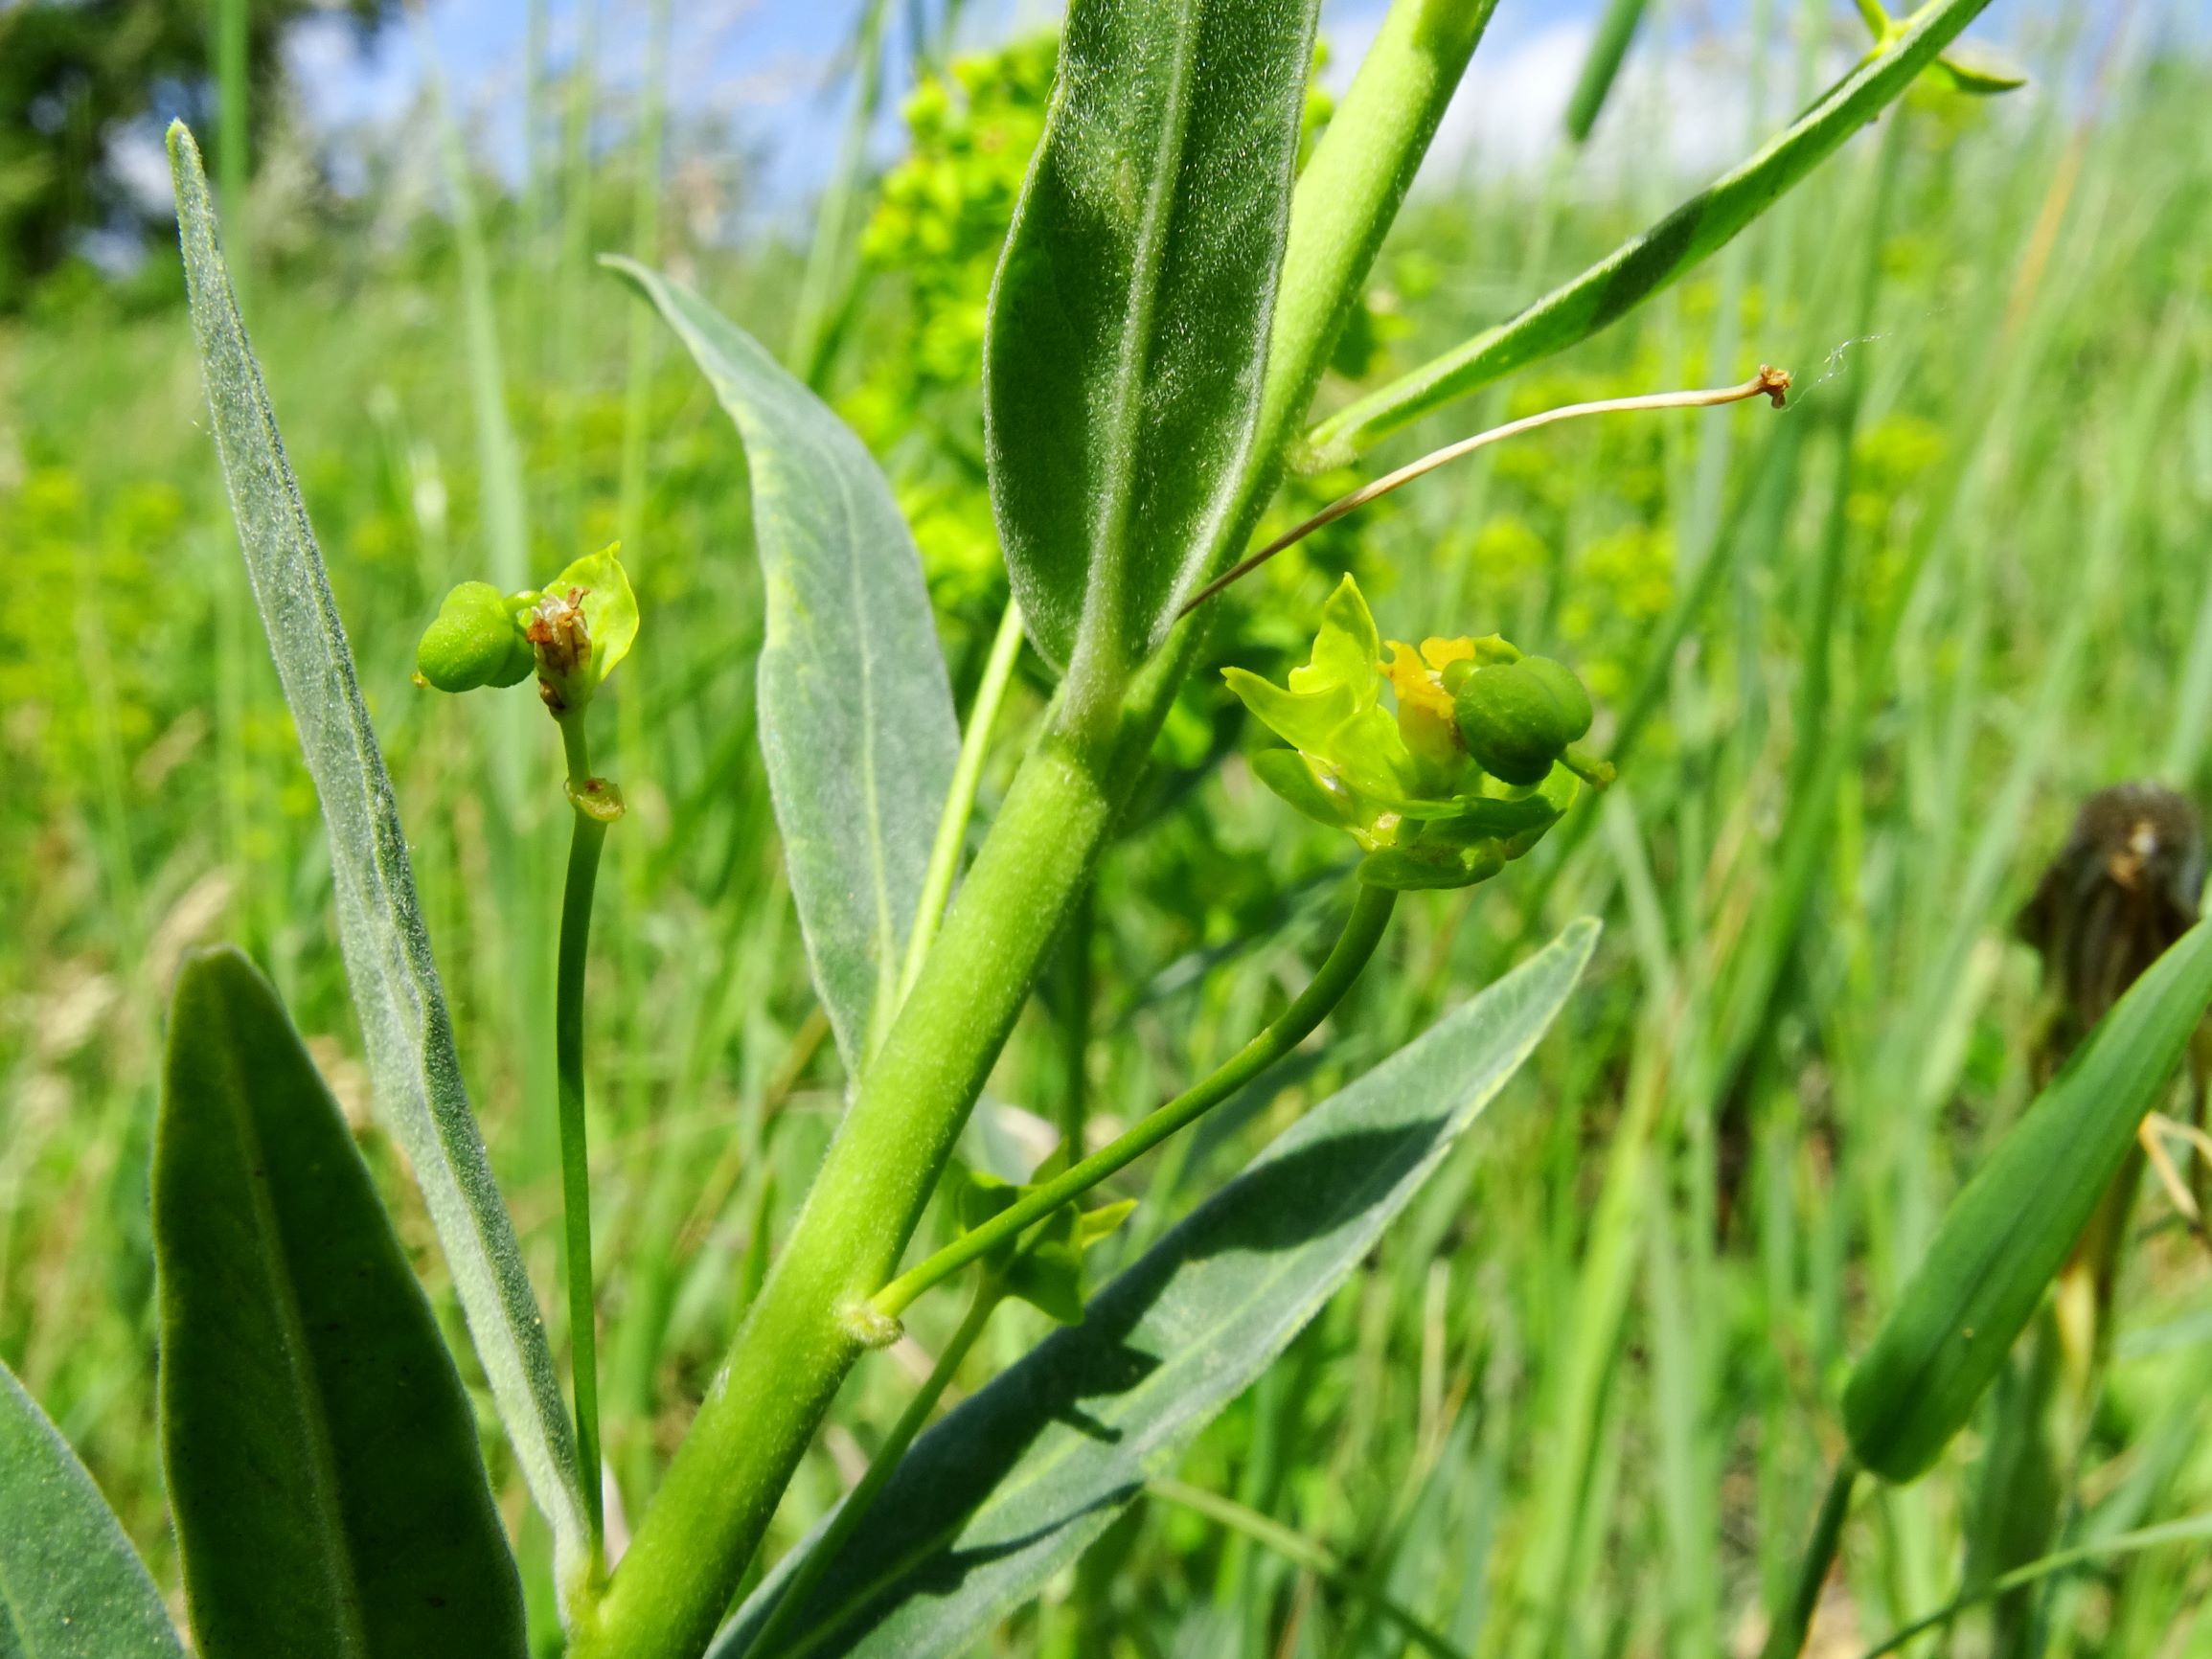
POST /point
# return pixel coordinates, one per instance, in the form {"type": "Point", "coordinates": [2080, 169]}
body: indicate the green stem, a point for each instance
{"type": "Point", "coordinates": [1786, 1640]}
{"type": "Point", "coordinates": [1348, 197]}
{"type": "Point", "coordinates": [1645, 264]}
{"type": "Point", "coordinates": [799, 1338]}
{"type": "Point", "coordinates": [862, 1497]}
{"type": "Point", "coordinates": [796, 1345]}
{"type": "Point", "coordinates": [233, 76]}
{"type": "Point", "coordinates": [1362, 932]}
{"type": "Point", "coordinates": [960, 799]}
{"type": "Point", "coordinates": [589, 835]}
{"type": "Point", "coordinates": [2182, 1532]}
{"type": "Point", "coordinates": [1301, 1551]}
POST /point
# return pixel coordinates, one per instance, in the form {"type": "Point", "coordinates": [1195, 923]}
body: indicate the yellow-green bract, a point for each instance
{"type": "Point", "coordinates": [597, 587]}
{"type": "Point", "coordinates": [1049, 1273]}
{"type": "Point", "coordinates": [1405, 785]}
{"type": "Point", "coordinates": [2011, 1229]}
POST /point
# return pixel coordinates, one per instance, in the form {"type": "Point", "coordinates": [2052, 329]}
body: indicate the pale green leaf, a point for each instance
{"type": "Point", "coordinates": [405, 1029]}
{"type": "Point", "coordinates": [1019, 1480]}
{"type": "Point", "coordinates": [1130, 321]}
{"type": "Point", "coordinates": [71, 1586]}
{"type": "Point", "coordinates": [856, 720]}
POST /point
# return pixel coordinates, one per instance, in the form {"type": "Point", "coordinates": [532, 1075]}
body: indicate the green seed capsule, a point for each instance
{"type": "Point", "coordinates": [474, 642]}
{"type": "Point", "coordinates": [1518, 718]}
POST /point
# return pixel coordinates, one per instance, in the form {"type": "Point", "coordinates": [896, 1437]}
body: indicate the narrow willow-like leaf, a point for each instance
{"type": "Point", "coordinates": [2011, 1229]}
{"type": "Point", "coordinates": [1022, 1477]}
{"type": "Point", "coordinates": [1129, 325]}
{"type": "Point", "coordinates": [405, 1028]}
{"type": "Point", "coordinates": [1640, 267]}
{"type": "Point", "coordinates": [320, 1455]}
{"type": "Point", "coordinates": [71, 1586]}
{"type": "Point", "coordinates": [857, 719]}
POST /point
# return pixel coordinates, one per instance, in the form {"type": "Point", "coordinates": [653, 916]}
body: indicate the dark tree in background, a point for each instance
{"type": "Point", "coordinates": [75, 72]}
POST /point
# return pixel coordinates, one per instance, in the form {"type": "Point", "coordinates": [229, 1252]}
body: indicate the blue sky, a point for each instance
{"type": "Point", "coordinates": [762, 65]}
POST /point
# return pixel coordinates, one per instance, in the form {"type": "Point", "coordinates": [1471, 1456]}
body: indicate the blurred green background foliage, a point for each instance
{"type": "Point", "coordinates": [1861, 658]}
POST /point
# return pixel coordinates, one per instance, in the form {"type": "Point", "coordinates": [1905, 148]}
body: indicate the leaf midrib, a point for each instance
{"type": "Point", "coordinates": [1109, 586]}
{"type": "Point", "coordinates": [887, 951]}
{"type": "Point", "coordinates": [733, 397]}
{"type": "Point", "coordinates": [10, 1620]}
{"type": "Point", "coordinates": [322, 1471]}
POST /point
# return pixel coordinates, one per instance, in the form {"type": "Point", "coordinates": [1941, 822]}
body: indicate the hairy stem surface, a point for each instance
{"type": "Point", "coordinates": [799, 1339]}
{"type": "Point", "coordinates": [768, 1645]}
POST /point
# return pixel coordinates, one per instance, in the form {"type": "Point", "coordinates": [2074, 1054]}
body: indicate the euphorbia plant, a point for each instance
{"type": "Point", "coordinates": [1168, 297]}
{"type": "Point", "coordinates": [572, 634]}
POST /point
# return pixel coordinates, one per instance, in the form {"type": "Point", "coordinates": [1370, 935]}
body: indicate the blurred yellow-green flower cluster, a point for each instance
{"type": "Point", "coordinates": [936, 232]}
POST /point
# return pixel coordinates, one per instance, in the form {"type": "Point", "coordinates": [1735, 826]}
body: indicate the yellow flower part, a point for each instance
{"type": "Point", "coordinates": [1405, 789]}
{"type": "Point", "coordinates": [1424, 711]}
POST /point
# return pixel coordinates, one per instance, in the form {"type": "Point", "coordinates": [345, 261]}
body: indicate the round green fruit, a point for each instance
{"type": "Point", "coordinates": [475, 642]}
{"type": "Point", "coordinates": [1518, 718]}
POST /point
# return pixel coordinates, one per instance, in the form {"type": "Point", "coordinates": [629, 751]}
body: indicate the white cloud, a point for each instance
{"type": "Point", "coordinates": [1507, 113]}
{"type": "Point", "coordinates": [1687, 105]}
{"type": "Point", "coordinates": [139, 162]}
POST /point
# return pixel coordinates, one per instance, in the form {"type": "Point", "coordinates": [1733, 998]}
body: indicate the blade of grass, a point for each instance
{"type": "Point", "coordinates": [805, 352]}
{"type": "Point", "coordinates": [1639, 268]}
{"type": "Point", "coordinates": [1302, 1552]}
{"type": "Point", "coordinates": [2183, 1531]}
{"type": "Point", "coordinates": [1601, 64]}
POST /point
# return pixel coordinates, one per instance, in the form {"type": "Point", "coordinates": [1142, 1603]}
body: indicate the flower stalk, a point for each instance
{"type": "Point", "coordinates": [1363, 931]}
{"type": "Point", "coordinates": [572, 634]}
{"type": "Point", "coordinates": [1770, 382]}
{"type": "Point", "coordinates": [595, 806]}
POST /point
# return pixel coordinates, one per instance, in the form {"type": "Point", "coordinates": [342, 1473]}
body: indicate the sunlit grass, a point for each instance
{"type": "Point", "coordinates": [1584, 1399]}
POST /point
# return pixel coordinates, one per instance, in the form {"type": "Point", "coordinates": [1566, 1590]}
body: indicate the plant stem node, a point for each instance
{"type": "Point", "coordinates": [596, 798]}
{"type": "Point", "coordinates": [869, 1324]}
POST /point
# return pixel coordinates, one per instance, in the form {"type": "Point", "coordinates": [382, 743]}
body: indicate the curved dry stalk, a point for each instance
{"type": "Point", "coordinates": [1773, 382]}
